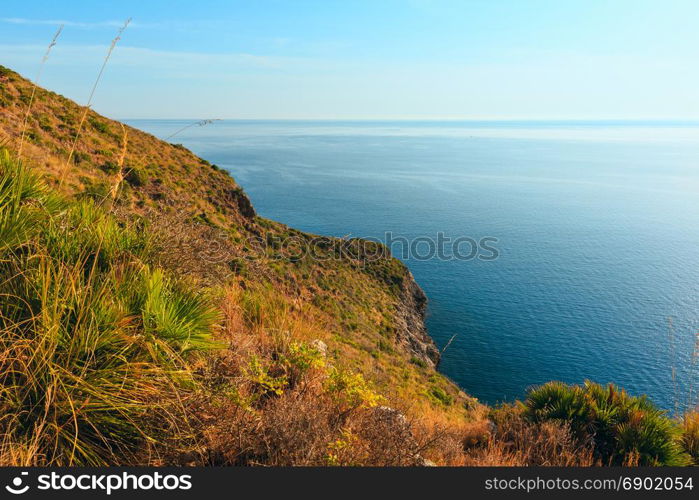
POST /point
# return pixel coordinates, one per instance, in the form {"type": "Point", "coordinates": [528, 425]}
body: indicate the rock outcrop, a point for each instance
{"type": "Point", "coordinates": [412, 333]}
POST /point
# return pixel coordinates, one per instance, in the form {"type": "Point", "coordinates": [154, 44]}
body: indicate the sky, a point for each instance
{"type": "Point", "coordinates": [366, 59]}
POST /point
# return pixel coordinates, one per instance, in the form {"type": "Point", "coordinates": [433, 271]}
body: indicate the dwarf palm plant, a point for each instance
{"type": "Point", "coordinates": [24, 203]}
{"type": "Point", "coordinates": [622, 428]}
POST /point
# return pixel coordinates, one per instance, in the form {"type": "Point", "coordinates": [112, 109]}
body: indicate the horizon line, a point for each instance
{"type": "Point", "coordinates": [453, 120]}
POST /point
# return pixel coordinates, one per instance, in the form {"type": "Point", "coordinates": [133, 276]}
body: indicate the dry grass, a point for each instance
{"type": "Point", "coordinates": [690, 435]}
{"type": "Point", "coordinates": [120, 174]}
{"type": "Point", "coordinates": [83, 117]}
{"type": "Point", "coordinates": [515, 441]}
{"type": "Point", "coordinates": [33, 93]}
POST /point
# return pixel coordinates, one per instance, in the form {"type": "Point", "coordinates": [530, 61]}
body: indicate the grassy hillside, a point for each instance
{"type": "Point", "coordinates": [149, 316]}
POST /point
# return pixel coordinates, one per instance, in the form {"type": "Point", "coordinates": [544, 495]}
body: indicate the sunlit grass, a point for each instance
{"type": "Point", "coordinates": [93, 342]}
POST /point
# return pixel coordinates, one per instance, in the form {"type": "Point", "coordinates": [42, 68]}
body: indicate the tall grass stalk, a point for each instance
{"type": "Point", "coordinates": [693, 371]}
{"type": "Point", "coordinates": [200, 123]}
{"type": "Point", "coordinates": [120, 172]}
{"type": "Point", "coordinates": [673, 365]}
{"type": "Point", "coordinates": [34, 87]}
{"type": "Point", "coordinates": [89, 100]}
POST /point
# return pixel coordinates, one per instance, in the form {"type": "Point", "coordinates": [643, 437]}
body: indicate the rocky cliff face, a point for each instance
{"type": "Point", "coordinates": [412, 333]}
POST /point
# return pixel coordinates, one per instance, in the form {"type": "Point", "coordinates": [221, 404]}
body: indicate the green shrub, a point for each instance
{"type": "Point", "coordinates": [623, 428]}
{"type": "Point", "coordinates": [33, 135]}
{"type": "Point", "coordinates": [418, 362]}
{"type": "Point", "coordinates": [99, 126]}
{"type": "Point", "coordinates": [173, 313]}
{"type": "Point", "coordinates": [136, 176]}
{"type": "Point", "coordinates": [440, 396]}
{"type": "Point", "coordinates": [350, 390]}
{"type": "Point", "coordinates": [95, 191]}
{"type": "Point", "coordinates": [263, 382]}
{"type": "Point", "coordinates": [24, 204]}
{"type": "Point", "coordinates": [86, 233]}
{"type": "Point", "coordinates": [109, 167]}
{"type": "Point", "coordinates": [79, 157]}
{"type": "Point", "coordinates": [44, 123]}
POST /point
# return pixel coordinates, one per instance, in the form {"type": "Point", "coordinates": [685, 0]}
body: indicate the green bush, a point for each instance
{"type": "Point", "coordinates": [418, 362]}
{"type": "Point", "coordinates": [624, 429]}
{"type": "Point", "coordinates": [95, 190]}
{"type": "Point", "coordinates": [109, 167]}
{"type": "Point", "coordinates": [44, 123]}
{"type": "Point", "coordinates": [99, 126]}
{"type": "Point", "coordinates": [79, 157]}
{"type": "Point", "coordinates": [136, 176]}
{"type": "Point", "coordinates": [24, 204]}
{"type": "Point", "coordinates": [441, 396]}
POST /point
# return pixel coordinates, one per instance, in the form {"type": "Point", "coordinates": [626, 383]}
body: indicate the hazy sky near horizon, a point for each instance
{"type": "Point", "coordinates": [367, 59]}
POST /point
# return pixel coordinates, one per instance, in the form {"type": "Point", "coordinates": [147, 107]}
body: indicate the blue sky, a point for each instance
{"type": "Point", "coordinates": [356, 59]}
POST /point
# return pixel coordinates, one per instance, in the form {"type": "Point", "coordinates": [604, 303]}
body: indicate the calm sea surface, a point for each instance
{"type": "Point", "coordinates": [597, 228]}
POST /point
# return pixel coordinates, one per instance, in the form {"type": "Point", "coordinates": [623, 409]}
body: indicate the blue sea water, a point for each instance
{"type": "Point", "coordinates": [597, 228]}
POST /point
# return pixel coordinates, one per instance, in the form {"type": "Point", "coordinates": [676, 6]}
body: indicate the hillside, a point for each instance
{"type": "Point", "coordinates": [153, 317]}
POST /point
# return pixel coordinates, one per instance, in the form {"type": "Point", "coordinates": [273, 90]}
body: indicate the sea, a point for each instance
{"type": "Point", "coordinates": [548, 250]}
